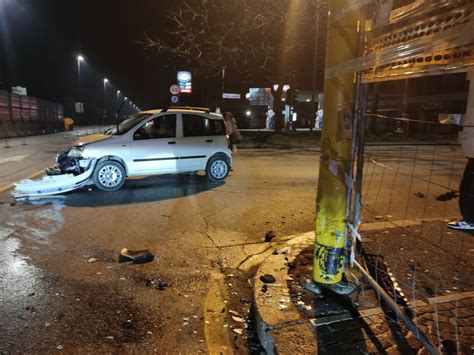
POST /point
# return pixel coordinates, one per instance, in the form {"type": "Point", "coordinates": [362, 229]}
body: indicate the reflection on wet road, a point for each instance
{"type": "Point", "coordinates": [19, 278]}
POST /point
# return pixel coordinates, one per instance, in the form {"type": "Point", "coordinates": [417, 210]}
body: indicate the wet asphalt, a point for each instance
{"type": "Point", "coordinates": [63, 288]}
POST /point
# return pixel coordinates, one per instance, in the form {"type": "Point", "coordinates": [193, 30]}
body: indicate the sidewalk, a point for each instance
{"type": "Point", "coordinates": [292, 320]}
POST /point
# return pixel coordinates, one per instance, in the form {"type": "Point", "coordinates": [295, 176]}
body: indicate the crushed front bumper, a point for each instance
{"type": "Point", "coordinates": [54, 184]}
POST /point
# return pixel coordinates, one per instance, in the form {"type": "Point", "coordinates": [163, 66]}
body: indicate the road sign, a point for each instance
{"type": "Point", "coordinates": [184, 82]}
{"type": "Point", "coordinates": [174, 89]}
{"type": "Point", "coordinates": [227, 95]}
{"type": "Point", "coordinates": [174, 99]}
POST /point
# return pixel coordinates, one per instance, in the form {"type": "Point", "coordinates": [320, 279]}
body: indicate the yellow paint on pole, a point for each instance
{"type": "Point", "coordinates": [331, 203]}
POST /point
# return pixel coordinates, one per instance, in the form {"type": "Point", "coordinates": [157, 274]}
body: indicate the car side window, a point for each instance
{"type": "Point", "coordinates": [159, 127]}
{"type": "Point", "coordinates": [195, 126]}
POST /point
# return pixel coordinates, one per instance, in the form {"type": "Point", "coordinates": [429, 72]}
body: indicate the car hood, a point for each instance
{"type": "Point", "coordinates": [91, 139]}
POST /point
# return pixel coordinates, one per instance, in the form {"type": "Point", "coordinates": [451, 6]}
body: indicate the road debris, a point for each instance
{"type": "Point", "coordinates": [91, 260]}
{"type": "Point", "coordinates": [127, 324]}
{"type": "Point", "coordinates": [158, 284]}
{"type": "Point", "coordinates": [238, 331]}
{"type": "Point", "coordinates": [137, 256]}
{"type": "Point", "coordinates": [269, 236]}
{"type": "Point", "coordinates": [267, 278]}
{"type": "Point", "coordinates": [447, 196]}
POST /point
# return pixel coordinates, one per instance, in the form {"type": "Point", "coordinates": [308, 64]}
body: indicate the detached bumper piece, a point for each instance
{"type": "Point", "coordinates": [52, 184]}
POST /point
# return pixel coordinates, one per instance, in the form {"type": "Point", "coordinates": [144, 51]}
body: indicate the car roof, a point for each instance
{"type": "Point", "coordinates": [197, 110]}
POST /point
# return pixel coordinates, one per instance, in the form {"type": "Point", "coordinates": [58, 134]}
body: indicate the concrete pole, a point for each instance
{"type": "Point", "coordinates": [331, 202]}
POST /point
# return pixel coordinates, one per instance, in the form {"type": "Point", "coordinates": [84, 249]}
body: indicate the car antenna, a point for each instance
{"type": "Point", "coordinates": [117, 115]}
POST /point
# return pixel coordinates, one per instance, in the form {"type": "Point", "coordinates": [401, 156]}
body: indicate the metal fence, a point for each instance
{"type": "Point", "coordinates": [408, 192]}
{"type": "Point", "coordinates": [26, 115]}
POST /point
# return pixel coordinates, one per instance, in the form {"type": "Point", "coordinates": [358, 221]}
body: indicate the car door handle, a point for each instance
{"type": "Point", "coordinates": [209, 140]}
{"type": "Point", "coordinates": [172, 142]}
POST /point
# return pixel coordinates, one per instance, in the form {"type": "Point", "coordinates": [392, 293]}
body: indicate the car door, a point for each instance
{"type": "Point", "coordinates": [197, 142]}
{"type": "Point", "coordinates": [153, 146]}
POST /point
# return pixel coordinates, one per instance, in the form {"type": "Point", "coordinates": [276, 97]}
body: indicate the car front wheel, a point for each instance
{"type": "Point", "coordinates": [217, 169]}
{"type": "Point", "coordinates": [109, 175]}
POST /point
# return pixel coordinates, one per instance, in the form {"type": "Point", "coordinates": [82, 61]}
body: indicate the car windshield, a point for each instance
{"type": "Point", "coordinates": [127, 124]}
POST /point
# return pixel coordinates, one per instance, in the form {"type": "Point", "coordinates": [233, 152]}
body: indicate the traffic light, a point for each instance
{"type": "Point", "coordinates": [290, 93]}
{"type": "Point", "coordinates": [291, 96]}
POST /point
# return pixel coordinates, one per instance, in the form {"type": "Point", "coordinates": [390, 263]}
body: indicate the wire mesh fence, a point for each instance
{"type": "Point", "coordinates": [409, 192]}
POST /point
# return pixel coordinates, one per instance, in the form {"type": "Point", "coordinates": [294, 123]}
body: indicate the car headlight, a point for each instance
{"type": "Point", "coordinates": [76, 152]}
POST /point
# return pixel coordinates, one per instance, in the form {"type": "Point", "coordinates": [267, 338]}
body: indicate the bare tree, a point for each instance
{"type": "Point", "coordinates": [265, 42]}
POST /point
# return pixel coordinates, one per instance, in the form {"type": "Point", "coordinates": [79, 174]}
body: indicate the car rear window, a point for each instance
{"type": "Point", "coordinates": [196, 125]}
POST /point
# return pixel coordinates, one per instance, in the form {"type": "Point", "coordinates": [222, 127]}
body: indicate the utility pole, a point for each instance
{"type": "Point", "coordinates": [335, 165]}
{"type": "Point", "coordinates": [315, 67]}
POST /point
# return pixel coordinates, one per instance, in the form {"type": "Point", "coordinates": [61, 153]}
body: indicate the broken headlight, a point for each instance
{"type": "Point", "coordinates": [76, 152]}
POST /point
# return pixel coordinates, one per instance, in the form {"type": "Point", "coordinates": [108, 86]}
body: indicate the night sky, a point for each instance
{"type": "Point", "coordinates": [43, 38]}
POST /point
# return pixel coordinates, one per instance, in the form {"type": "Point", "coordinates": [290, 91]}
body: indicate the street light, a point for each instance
{"type": "Point", "coordinates": [80, 59]}
{"type": "Point", "coordinates": [105, 96]}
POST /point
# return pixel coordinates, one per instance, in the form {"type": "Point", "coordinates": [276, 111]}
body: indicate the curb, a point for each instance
{"type": "Point", "coordinates": [280, 326]}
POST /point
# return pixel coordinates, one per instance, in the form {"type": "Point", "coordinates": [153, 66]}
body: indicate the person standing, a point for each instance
{"type": "Point", "coordinates": [466, 189]}
{"type": "Point", "coordinates": [232, 130]}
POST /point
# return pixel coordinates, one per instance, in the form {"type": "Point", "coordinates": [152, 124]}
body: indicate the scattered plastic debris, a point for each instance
{"type": "Point", "coordinates": [59, 347]}
{"type": "Point", "coordinates": [158, 284]}
{"type": "Point", "coordinates": [267, 278]}
{"type": "Point", "coordinates": [109, 337]}
{"type": "Point", "coordinates": [137, 256]}
{"type": "Point", "coordinates": [269, 236]}
{"type": "Point", "coordinates": [243, 300]}
{"type": "Point", "coordinates": [238, 319]}
{"type": "Point", "coordinates": [447, 196]}
{"type": "Point", "coordinates": [91, 260]}
{"type": "Point", "coordinates": [238, 331]}
{"type": "Point", "coordinates": [127, 324]}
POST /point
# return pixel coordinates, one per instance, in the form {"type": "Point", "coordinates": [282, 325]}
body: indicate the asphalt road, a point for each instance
{"type": "Point", "coordinates": [62, 287]}
{"type": "Point", "coordinates": [54, 298]}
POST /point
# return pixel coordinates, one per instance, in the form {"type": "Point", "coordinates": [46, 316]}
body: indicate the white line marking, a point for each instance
{"type": "Point", "coordinates": [15, 158]}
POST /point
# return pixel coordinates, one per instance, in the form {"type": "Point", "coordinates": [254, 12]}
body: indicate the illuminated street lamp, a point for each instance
{"type": "Point", "coordinates": [80, 59]}
{"type": "Point", "coordinates": [105, 96]}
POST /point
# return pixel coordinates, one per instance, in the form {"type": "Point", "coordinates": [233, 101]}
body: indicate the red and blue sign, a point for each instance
{"type": "Point", "coordinates": [184, 82]}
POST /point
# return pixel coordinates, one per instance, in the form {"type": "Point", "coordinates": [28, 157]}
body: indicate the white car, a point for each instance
{"type": "Point", "coordinates": [167, 141]}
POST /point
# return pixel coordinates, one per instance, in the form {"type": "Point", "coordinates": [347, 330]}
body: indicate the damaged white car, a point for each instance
{"type": "Point", "coordinates": [168, 141]}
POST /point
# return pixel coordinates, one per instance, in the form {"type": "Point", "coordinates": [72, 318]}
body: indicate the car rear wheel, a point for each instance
{"type": "Point", "coordinates": [109, 175]}
{"type": "Point", "coordinates": [217, 169]}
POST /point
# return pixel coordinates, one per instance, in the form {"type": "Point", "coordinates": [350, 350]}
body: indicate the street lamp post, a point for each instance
{"type": "Point", "coordinates": [79, 107]}
{"type": "Point", "coordinates": [105, 100]}
{"type": "Point", "coordinates": [80, 59]}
